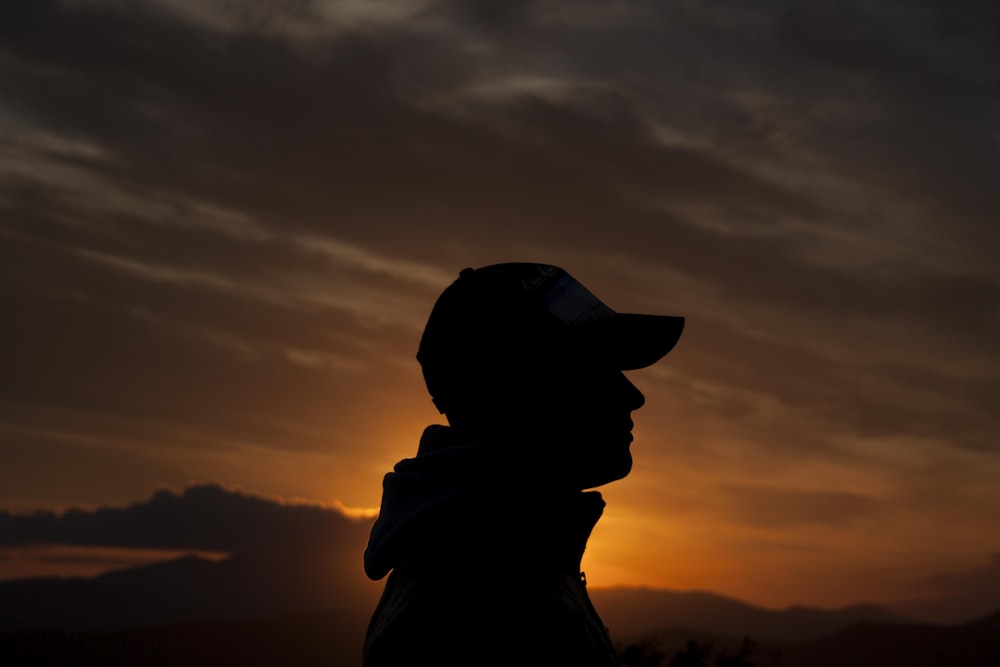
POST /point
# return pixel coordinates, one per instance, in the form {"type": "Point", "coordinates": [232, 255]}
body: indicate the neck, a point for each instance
{"type": "Point", "coordinates": [527, 532]}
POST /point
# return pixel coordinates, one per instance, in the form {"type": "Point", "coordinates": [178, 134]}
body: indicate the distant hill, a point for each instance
{"type": "Point", "coordinates": [268, 610]}
{"type": "Point", "coordinates": [644, 610]}
{"type": "Point", "coordinates": [975, 644]}
{"type": "Point", "coordinates": [184, 589]}
{"type": "Point", "coordinates": [192, 588]}
{"type": "Point", "coordinates": [949, 609]}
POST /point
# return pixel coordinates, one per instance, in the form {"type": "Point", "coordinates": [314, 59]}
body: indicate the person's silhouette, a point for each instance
{"type": "Point", "coordinates": [484, 530]}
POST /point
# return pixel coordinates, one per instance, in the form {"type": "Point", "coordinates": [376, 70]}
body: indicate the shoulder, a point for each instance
{"type": "Point", "coordinates": [486, 618]}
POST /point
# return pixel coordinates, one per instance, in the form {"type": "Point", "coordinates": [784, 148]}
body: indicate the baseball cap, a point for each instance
{"type": "Point", "coordinates": [505, 316]}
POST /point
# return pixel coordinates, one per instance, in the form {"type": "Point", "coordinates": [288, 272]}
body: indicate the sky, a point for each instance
{"type": "Point", "coordinates": [223, 224]}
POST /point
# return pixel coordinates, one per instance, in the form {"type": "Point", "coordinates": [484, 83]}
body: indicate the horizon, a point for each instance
{"type": "Point", "coordinates": [223, 225]}
{"type": "Point", "coordinates": [218, 524]}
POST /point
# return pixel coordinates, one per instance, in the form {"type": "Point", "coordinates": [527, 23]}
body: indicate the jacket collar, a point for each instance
{"type": "Point", "coordinates": [470, 505]}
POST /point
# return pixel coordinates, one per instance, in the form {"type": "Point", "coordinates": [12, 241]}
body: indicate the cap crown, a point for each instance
{"type": "Point", "coordinates": [521, 320]}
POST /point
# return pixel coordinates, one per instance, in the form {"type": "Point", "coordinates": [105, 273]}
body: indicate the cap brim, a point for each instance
{"type": "Point", "coordinates": [632, 341]}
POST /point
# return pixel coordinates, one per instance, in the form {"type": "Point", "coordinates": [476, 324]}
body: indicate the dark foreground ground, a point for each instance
{"type": "Point", "coordinates": [314, 639]}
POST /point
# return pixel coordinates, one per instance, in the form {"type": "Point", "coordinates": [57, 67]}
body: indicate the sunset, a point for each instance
{"type": "Point", "coordinates": [223, 225]}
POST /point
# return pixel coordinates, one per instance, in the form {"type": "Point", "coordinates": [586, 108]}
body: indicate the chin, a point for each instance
{"type": "Point", "coordinates": [609, 471]}
{"type": "Point", "coordinates": [625, 466]}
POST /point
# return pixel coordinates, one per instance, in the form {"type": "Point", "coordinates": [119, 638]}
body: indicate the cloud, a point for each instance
{"type": "Point", "coordinates": [265, 556]}
{"type": "Point", "coordinates": [118, 561]}
{"type": "Point", "coordinates": [377, 181]}
{"type": "Point", "coordinates": [205, 517]}
{"type": "Point", "coordinates": [775, 507]}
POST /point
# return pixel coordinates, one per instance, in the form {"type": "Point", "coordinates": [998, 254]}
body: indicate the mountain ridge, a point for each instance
{"type": "Point", "coordinates": [244, 587]}
{"type": "Point", "coordinates": [636, 610]}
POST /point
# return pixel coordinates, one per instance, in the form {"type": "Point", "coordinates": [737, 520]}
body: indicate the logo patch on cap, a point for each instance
{"type": "Point", "coordinates": [573, 304]}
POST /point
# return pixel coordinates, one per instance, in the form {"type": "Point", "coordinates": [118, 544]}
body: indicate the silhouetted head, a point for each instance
{"type": "Point", "coordinates": [524, 354]}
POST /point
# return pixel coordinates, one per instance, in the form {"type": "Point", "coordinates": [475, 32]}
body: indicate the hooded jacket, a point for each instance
{"type": "Point", "coordinates": [485, 563]}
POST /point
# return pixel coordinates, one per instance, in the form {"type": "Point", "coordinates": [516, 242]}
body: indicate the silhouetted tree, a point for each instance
{"type": "Point", "coordinates": [744, 657]}
{"type": "Point", "coordinates": [692, 655]}
{"type": "Point", "coordinates": [646, 653]}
